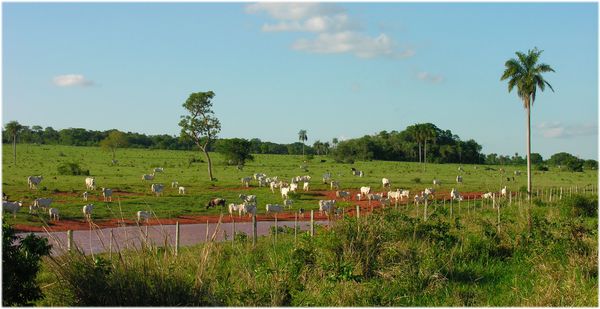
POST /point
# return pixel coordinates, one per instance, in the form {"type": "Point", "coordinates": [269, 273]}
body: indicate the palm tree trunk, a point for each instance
{"type": "Point", "coordinates": [15, 148]}
{"type": "Point", "coordinates": [528, 108]}
{"type": "Point", "coordinates": [425, 152]}
{"type": "Point", "coordinates": [419, 152]}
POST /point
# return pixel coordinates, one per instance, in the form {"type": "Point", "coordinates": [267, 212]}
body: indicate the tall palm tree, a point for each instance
{"type": "Point", "coordinates": [335, 141]}
{"type": "Point", "coordinates": [302, 138]}
{"type": "Point", "coordinates": [429, 134]}
{"type": "Point", "coordinates": [13, 128]}
{"type": "Point", "coordinates": [525, 73]}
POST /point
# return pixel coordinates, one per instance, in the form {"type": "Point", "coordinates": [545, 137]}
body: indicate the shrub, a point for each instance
{"type": "Point", "coordinates": [72, 169]}
{"type": "Point", "coordinates": [541, 167]}
{"type": "Point", "coordinates": [580, 205]}
{"type": "Point", "coordinates": [416, 180]}
{"type": "Point", "coordinates": [20, 265]}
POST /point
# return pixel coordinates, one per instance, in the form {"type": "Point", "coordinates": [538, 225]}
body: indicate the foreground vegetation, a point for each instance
{"type": "Point", "coordinates": [55, 164]}
{"type": "Point", "coordinates": [388, 258]}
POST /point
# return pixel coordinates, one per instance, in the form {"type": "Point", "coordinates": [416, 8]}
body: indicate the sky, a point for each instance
{"type": "Point", "coordinates": [334, 69]}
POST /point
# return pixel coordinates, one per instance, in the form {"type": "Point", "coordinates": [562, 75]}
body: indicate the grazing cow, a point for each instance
{"type": "Point", "coordinates": [182, 190]}
{"type": "Point", "coordinates": [487, 195]}
{"type": "Point", "coordinates": [249, 209]}
{"type": "Point", "coordinates": [342, 194]}
{"type": "Point", "coordinates": [148, 177]}
{"type": "Point", "coordinates": [503, 191]}
{"type": "Point", "coordinates": [13, 207]}
{"type": "Point", "coordinates": [274, 208]}
{"type": "Point", "coordinates": [517, 173]}
{"type": "Point", "coordinates": [358, 173]}
{"type": "Point", "coordinates": [364, 191]}
{"type": "Point", "coordinates": [335, 185]}
{"type": "Point", "coordinates": [374, 197]}
{"type": "Point", "coordinates": [284, 193]}
{"type": "Point", "coordinates": [404, 193]}
{"type": "Point", "coordinates": [247, 198]}
{"type": "Point", "coordinates": [326, 177]}
{"type": "Point", "coordinates": [394, 195]}
{"type": "Point", "coordinates": [326, 205]}
{"type": "Point", "coordinates": [54, 214]}
{"type": "Point", "coordinates": [246, 181]}
{"type": "Point", "coordinates": [157, 188]}
{"type": "Point", "coordinates": [85, 196]}
{"type": "Point", "coordinates": [107, 194]}
{"type": "Point", "coordinates": [262, 182]}
{"type": "Point", "coordinates": [34, 181]}
{"type": "Point", "coordinates": [216, 201]}
{"type": "Point", "coordinates": [87, 211]}
{"type": "Point", "coordinates": [293, 186]}
{"type": "Point", "coordinates": [429, 191]}
{"type": "Point", "coordinates": [235, 208]}
{"type": "Point", "coordinates": [174, 184]}
{"type": "Point", "coordinates": [288, 203]}
{"type": "Point", "coordinates": [158, 170]}
{"type": "Point", "coordinates": [42, 202]}
{"type": "Point", "coordinates": [455, 195]}
{"type": "Point", "coordinates": [257, 176]}
{"type": "Point", "coordinates": [274, 184]}
{"type": "Point", "coordinates": [458, 179]}
{"type": "Point", "coordinates": [437, 182]}
{"type": "Point", "coordinates": [143, 215]}
{"type": "Point", "coordinates": [90, 183]}
{"type": "Point", "coordinates": [305, 186]}
{"type": "Point", "coordinates": [385, 183]}
{"type": "Point", "coordinates": [419, 199]}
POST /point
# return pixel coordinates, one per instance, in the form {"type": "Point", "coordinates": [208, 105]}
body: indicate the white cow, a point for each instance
{"type": "Point", "coordinates": [395, 195]}
{"type": "Point", "coordinates": [364, 191]}
{"type": "Point", "coordinates": [42, 202]}
{"type": "Point", "coordinates": [455, 195]}
{"type": "Point", "coordinates": [342, 194]}
{"type": "Point", "coordinates": [34, 181]}
{"type": "Point", "coordinates": [257, 176]}
{"type": "Point", "coordinates": [503, 191]}
{"type": "Point", "coordinates": [326, 205]}
{"type": "Point", "coordinates": [143, 215]}
{"type": "Point", "coordinates": [148, 177]}
{"type": "Point", "coordinates": [274, 184]}
{"type": "Point", "coordinates": [90, 183]}
{"type": "Point", "coordinates": [293, 186]}
{"type": "Point", "coordinates": [248, 209]}
{"type": "Point", "coordinates": [13, 207]}
{"type": "Point", "coordinates": [182, 190]}
{"type": "Point", "coordinates": [107, 194]}
{"type": "Point", "coordinates": [87, 211]}
{"type": "Point", "coordinates": [234, 208]}
{"type": "Point", "coordinates": [385, 182]}
{"type": "Point", "coordinates": [174, 184]}
{"type": "Point", "coordinates": [158, 170]}
{"type": "Point", "coordinates": [404, 193]}
{"type": "Point", "coordinates": [284, 193]}
{"type": "Point", "coordinates": [246, 181]}
{"type": "Point", "coordinates": [459, 179]}
{"type": "Point", "coordinates": [85, 196]}
{"type": "Point", "coordinates": [274, 208]}
{"type": "Point", "coordinates": [288, 203]}
{"type": "Point", "coordinates": [54, 214]}
{"type": "Point", "coordinates": [429, 191]}
{"type": "Point", "coordinates": [335, 185]}
{"type": "Point", "coordinates": [419, 199]}
{"type": "Point", "coordinates": [326, 177]}
{"type": "Point", "coordinates": [157, 188]}
{"type": "Point", "coordinates": [305, 186]}
{"type": "Point", "coordinates": [247, 198]}
{"type": "Point", "coordinates": [487, 195]}
{"type": "Point", "coordinates": [262, 182]}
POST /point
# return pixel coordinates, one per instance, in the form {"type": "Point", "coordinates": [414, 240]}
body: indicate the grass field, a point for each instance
{"type": "Point", "coordinates": [126, 176]}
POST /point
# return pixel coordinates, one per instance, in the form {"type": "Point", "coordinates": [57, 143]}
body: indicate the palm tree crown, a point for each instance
{"type": "Point", "coordinates": [526, 74]}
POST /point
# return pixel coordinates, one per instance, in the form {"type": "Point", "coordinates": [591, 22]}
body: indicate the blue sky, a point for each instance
{"type": "Point", "coordinates": [334, 69]}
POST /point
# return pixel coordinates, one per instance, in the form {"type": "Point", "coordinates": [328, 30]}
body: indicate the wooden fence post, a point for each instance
{"type": "Point", "coordinates": [254, 232]}
{"type": "Point", "coordinates": [276, 228]}
{"type": "Point", "coordinates": [233, 232]}
{"type": "Point", "coordinates": [176, 238]}
{"type": "Point", "coordinates": [425, 211]}
{"type": "Point", "coordinates": [110, 240]}
{"type": "Point", "coordinates": [357, 212]}
{"type": "Point", "coordinates": [295, 227]}
{"type": "Point", "coordinates": [206, 231]}
{"type": "Point", "coordinates": [69, 240]}
{"type": "Point", "coordinates": [312, 223]}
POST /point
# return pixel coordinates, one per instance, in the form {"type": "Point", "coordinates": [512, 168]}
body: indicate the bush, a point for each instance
{"type": "Point", "coordinates": [20, 265]}
{"type": "Point", "coordinates": [580, 205]}
{"type": "Point", "coordinates": [541, 167]}
{"type": "Point", "coordinates": [72, 169]}
{"type": "Point", "coordinates": [416, 180]}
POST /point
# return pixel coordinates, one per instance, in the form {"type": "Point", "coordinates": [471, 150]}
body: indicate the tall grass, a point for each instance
{"type": "Point", "coordinates": [387, 258]}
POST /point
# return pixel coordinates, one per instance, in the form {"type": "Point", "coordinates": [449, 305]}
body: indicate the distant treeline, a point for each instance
{"type": "Point", "coordinates": [420, 142]}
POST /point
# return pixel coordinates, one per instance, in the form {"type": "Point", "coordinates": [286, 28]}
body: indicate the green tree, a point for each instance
{"type": "Point", "coordinates": [590, 164]}
{"type": "Point", "coordinates": [20, 265]}
{"type": "Point", "coordinates": [536, 158]}
{"type": "Point", "coordinates": [236, 150]}
{"type": "Point", "coordinates": [302, 137]}
{"type": "Point", "coordinates": [525, 73]}
{"type": "Point", "coordinates": [201, 126]}
{"type": "Point", "coordinates": [335, 141]}
{"type": "Point", "coordinates": [115, 139]}
{"type": "Point", "coordinates": [13, 129]}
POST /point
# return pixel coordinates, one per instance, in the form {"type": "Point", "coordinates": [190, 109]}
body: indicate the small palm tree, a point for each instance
{"type": "Point", "coordinates": [13, 128]}
{"type": "Point", "coordinates": [525, 73]}
{"type": "Point", "coordinates": [303, 138]}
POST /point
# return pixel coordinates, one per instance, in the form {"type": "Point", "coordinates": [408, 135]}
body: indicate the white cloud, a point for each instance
{"type": "Point", "coordinates": [336, 31]}
{"type": "Point", "coordinates": [358, 44]}
{"type": "Point", "coordinates": [428, 77]}
{"type": "Point", "coordinates": [560, 130]}
{"type": "Point", "coordinates": [293, 11]}
{"type": "Point", "coordinates": [70, 80]}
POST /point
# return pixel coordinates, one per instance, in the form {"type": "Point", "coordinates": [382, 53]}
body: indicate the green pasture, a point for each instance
{"type": "Point", "coordinates": [126, 176]}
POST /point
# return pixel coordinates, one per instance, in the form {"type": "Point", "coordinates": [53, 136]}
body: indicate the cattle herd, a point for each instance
{"type": "Point", "coordinates": [247, 204]}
